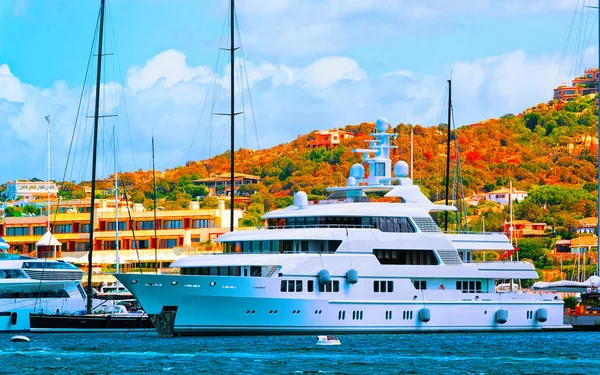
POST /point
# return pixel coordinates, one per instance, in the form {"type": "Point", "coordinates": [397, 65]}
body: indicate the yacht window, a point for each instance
{"type": "Point", "coordinates": [310, 285]}
{"type": "Point", "coordinates": [420, 284]}
{"type": "Point", "coordinates": [393, 224]}
{"type": "Point", "coordinates": [298, 285]}
{"type": "Point", "coordinates": [291, 284]}
{"type": "Point", "coordinates": [406, 257]}
{"type": "Point", "coordinates": [255, 271]}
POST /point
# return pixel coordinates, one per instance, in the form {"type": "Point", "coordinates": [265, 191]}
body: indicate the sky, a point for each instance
{"type": "Point", "coordinates": [310, 64]}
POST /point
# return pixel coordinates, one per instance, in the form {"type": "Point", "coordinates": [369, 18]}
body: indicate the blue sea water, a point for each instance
{"type": "Point", "coordinates": [476, 353]}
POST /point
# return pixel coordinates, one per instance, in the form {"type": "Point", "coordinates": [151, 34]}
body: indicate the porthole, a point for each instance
{"type": "Point", "coordinates": [275, 312]}
{"type": "Point", "coordinates": [213, 283]}
{"type": "Point", "coordinates": [248, 312]}
{"type": "Point", "coordinates": [174, 283]}
{"type": "Point", "coordinates": [133, 281]}
{"type": "Point", "coordinates": [253, 312]}
{"type": "Point", "coordinates": [316, 312]}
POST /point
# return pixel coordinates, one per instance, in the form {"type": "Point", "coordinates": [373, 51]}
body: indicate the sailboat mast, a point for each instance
{"type": "Point", "coordinates": [232, 161]}
{"type": "Point", "coordinates": [48, 182]}
{"type": "Point", "coordinates": [155, 222]}
{"type": "Point", "coordinates": [92, 203]}
{"type": "Point", "coordinates": [116, 204]}
{"type": "Point", "coordinates": [448, 150]}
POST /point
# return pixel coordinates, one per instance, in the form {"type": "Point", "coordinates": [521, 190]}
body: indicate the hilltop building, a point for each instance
{"type": "Point", "coordinates": [221, 184]}
{"type": "Point", "coordinates": [30, 190]}
{"type": "Point", "coordinates": [583, 85]}
{"type": "Point", "coordinates": [329, 138]}
{"type": "Point", "coordinates": [504, 196]}
{"type": "Point", "coordinates": [587, 225]}
{"type": "Point", "coordinates": [524, 228]}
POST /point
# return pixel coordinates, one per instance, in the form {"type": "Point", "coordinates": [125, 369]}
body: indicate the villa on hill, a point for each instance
{"type": "Point", "coordinates": [580, 86]}
{"type": "Point", "coordinates": [524, 228]}
{"type": "Point", "coordinates": [504, 196]}
{"type": "Point", "coordinates": [586, 225]}
{"type": "Point", "coordinates": [221, 184]}
{"type": "Point", "coordinates": [329, 138]}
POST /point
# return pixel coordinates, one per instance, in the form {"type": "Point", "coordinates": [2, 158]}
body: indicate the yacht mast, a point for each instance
{"type": "Point", "coordinates": [48, 182]}
{"type": "Point", "coordinates": [155, 222]}
{"type": "Point", "coordinates": [598, 214]}
{"type": "Point", "coordinates": [448, 150]}
{"type": "Point", "coordinates": [116, 204]}
{"type": "Point", "coordinates": [231, 51]}
{"type": "Point", "coordinates": [95, 147]}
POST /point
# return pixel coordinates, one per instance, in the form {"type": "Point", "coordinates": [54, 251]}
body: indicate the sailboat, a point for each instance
{"type": "Point", "coordinates": [115, 318]}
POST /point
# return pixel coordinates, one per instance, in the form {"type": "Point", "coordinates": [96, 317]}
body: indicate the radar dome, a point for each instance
{"type": "Point", "coordinates": [382, 124]}
{"type": "Point", "coordinates": [300, 199]}
{"type": "Point", "coordinates": [401, 169]}
{"type": "Point", "coordinates": [351, 181]}
{"type": "Point", "coordinates": [357, 171]}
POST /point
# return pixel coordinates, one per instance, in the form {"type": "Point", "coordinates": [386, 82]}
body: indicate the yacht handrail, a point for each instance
{"type": "Point", "coordinates": [316, 226]}
{"type": "Point", "coordinates": [469, 232]}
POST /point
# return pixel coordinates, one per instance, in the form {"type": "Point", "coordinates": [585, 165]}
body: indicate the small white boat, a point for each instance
{"type": "Point", "coordinates": [327, 340]}
{"type": "Point", "coordinates": [19, 338]}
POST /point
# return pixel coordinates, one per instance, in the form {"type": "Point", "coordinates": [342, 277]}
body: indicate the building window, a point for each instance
{"type": "Point", "coordinates": [203, 223]}
{"type": "Point", "coordinates": [84, 228]}
{"type": "Point", "coordinates": [111, 225]}
{"type": "Point", "coordinates": [63, 228]}
{"type": "Point", "coordinates": [168, 244]}
{"type": "Point", "coordinates": [146, 225]}
{"type": "Point", "coordinates": [17, 231]}
{"type": "Point", "coordinates": [172, 224]}
{"type": "Point", "coordinates": [39, 231]}
{"type": "Point", "coordinates": [142, 244]}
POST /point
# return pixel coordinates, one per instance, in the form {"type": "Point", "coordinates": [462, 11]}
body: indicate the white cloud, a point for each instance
{"type": "Point", "coordinates": [164, 97]}
{"type": "Point", "coordinates": [168, 67]}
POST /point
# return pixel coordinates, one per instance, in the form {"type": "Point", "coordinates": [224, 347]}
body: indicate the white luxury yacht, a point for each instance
{"type": "Point", "coordinates": [349, 265]}
{"type": "Point", "coordinates": [34, 285]}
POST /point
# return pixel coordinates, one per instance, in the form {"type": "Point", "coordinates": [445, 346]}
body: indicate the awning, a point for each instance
{"type": "Point", "coordinates": [48, 240]}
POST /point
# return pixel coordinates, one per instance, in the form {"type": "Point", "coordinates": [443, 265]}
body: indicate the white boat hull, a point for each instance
{"type": "Point", "coordinates": [23, 306]}
{"type": "Point", "coordinates": [238, 305]}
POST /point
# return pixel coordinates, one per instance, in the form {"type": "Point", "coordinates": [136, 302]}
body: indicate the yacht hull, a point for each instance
{"type": "Point", "coordinates": [14, 313]}
{"type": "Point", "coordinates": [207, 305]}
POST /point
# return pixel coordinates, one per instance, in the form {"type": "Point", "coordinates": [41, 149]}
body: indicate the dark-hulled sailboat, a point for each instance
{"type": "Point", "coordinates": [117, 320]}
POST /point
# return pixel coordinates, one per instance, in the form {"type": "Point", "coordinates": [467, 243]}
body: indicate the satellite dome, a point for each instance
{"type": "Point", "coordinates": [300, 199]}
{"type": "Point", "coordinates": [401, 169]}
{"type": "Point", "coordinates": [351, 181]}
{"type": "Point", "coordinates": [357, 171]}
{"type": "Point", "coordinates": [382, 124]}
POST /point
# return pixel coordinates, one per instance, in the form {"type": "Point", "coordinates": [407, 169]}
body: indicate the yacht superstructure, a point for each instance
{"type": "Point", "coordinates": [36, 285]}
{"type": "Point", "coordinates": [349, 265]}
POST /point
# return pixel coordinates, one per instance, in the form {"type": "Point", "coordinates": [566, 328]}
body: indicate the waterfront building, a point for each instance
{"type": "Point", "coordinates": [221, 184]}
{"type": "Point", "coordinates": [580, 86]}
{"type": "Point", "coordinates": [70, 226]}
{"type": "Point", "coordinates": [504, 196]}
{"type": "Point", "coordinates": [329, 138]}
{"type": "Point", "coordinates": [30, 190]}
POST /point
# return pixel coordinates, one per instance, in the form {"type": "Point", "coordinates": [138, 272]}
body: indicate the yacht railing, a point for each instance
{"type": "Point", "coordinates": [353, 226]}
{"type": "Point", "coordinates": [469, 232]}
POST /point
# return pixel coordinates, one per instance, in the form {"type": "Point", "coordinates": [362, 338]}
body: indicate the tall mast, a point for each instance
{"type": "Point", "coordinates": [116, 204]}
{"type": "Point", "coordinates": [48, 182]}
{"type": "Point", "coordinates": [231, 51]}
{"type": "Point", "coordinates": [154, 182]}
{"type": "Point", "coordinates": [412, 177]}
{"type": "Point", "coordinates": [92, 203]}
{"type": "Point", "coordinates": [598, 96]}
{"type": "Point", "coordinates": [448, 149]}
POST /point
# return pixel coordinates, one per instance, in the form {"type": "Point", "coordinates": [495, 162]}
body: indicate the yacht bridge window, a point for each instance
{"type": "Point", "coordinates": [282, 246]}
{"type": "Point", "coordinates": [245, 271]}
{"type": "Point", "coordinates": [406, 257]}
{"type": "Point", "coordinates": [384, 224]}
{"type": "Point", "coordinates": [12, 274]}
